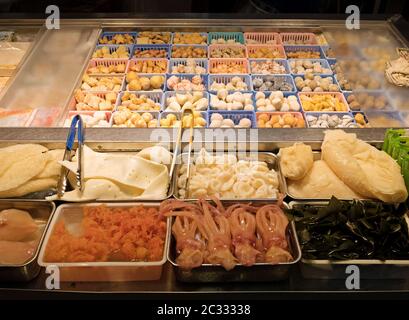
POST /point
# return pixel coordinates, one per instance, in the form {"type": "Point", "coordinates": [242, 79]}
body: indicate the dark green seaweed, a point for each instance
{"type": "Point", "coordinates": [345, 230]}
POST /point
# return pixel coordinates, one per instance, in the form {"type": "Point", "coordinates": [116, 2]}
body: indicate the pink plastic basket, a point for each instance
{"type": "Point", "coordinates": [295, 38]}
{"type": "Point", "coordinates": [106, 63]}
{"type": "Point", "coordinates": [214, 47]}
{"type": "Point", "coordinates": [337, 95]}
{"type": "Point", "coordinates": [216, 66]}
{"type": "Point", "coordinates": [133, 62]}
{"type": "Point", "coordinates": [298, 115]}
{"type": "Point", "coordinates": [269, 38]}
{"type": "Point", "coordinates": [277, 52]}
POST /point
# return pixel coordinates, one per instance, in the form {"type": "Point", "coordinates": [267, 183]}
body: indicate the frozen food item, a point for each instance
{"type": "Point", "coordinates": [227, 236]}
{"type": "Point", "coordinates": [119, 38]}
{"type": "Point", "coordinates": [101, 83]}
{"type": "Point", "coordinates": [87, 101]}
{"type": "Point", "coordinates": [107, 69]}
{"type": "Point", "coordinates": [224, 41]}
{"type": "Point", "coordinates": [276, 102]}
{"type": "Point", "coordinates": [281, 120]}
{"type": "Point", "coordinates": [265, 52]}
{"type": "Point", "coordinates": [352, 74]}
{"type": "Point", "coordinates": [311, 83]}
{"type": "Point", "coordinates": [179, 84]}
{"type": "Point", "coordinates": [15, 252]}
{"type": "Point", "coordinates": [225, 176]}
{"type": "Point", "coordinates": [136, 82]}
{"type": "Point", "coordinates": [222, 51]}
{"type": "Point", "coordinates": [16, 117]}
{"type": "Point", "coordinates": [128, 119]}
{"type": "Point", "coordinates": [322, 102]}
{"type": "Point", "coordinates": [149, 66]}
{"type": "Point", "coordinates": [330, 121]}
{"type": "Point", "coordinates": [367, 101]}
{"type": "Point", "coordinates": [104, 53]}
{"type": "Point", "coordinates": [150, 53]}
{"type": "Point", "coordinates": [189, 52]}
{"type": "Point", "coordinates": [233, 101]}
{"type": "Point", "coordinates": [99, 119]}
{"type": "Point", "coordinates": [189, 38]}
{"type": "Point", "coordinates": [361, 121]}
{"type": "Point", "coordinates": [272, 83]}
{"type": "Point", "coordinates": [109, 234]}
{"type": "Point", "coordinates": [191, 66]}
{"type": "Point", "coordinates": [172, 120]}
{"type": "Point", "coordinates": [150, 37]}
{"type": "Point", "coordinates": [17, 225]}
{"type": "Point", "coordinates": [365, 169]}
{"type": "Point", "coordinates": [236, 83]}
{"type": "Point", "coordinates": [267, 67]}
{"type": "Point", "coordinates": [296, 161]}
{"type": "Point", "coordinates": [303, 54]}
{"type": "Point", "coordinates": [196, 100]}
{"type": "Point", "coordinates": [308, 66]}
{"type": "Point", "coordinates": [217, 120]}
{"type": "Point", "coordinates": [137, 102]}
{"type": "Point", "coordinates": [115, 176]}
{"type": "Point", "coordinates": [231, 66]}
{"type": "Point", "coordinates": [320, 182]}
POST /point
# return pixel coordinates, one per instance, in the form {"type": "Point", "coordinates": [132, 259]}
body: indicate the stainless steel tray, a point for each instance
{"type": "Point", "coordinates": [260, 272]}
{"type": "Point", "coordinates": [270, 158]}
{"type": "Point", "coordinates": [369, 269]}
{"type": "Point", "coordinates": [40, 211]}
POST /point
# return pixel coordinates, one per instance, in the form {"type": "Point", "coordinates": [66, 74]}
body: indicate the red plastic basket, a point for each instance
{"type": "Point", "coordinates": [133, 62]}
{"type": "Point", "coordinates": [106, 63]}
{"type": "Point", "coordinates": [298, 38]}
{"type": "Point", "coordinates": [269, 38]}
{"type": "Point", "coordinates": [216, 66]}
{"type": "Point", "coordinates": [277, 52]}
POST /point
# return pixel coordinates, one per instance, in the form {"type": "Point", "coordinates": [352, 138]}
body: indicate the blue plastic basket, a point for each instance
{"type": "Point", "coordinates": [285, 94]}
{"type": "Point", "coordinates": [238, 37]}
{"type": "Point", "coordinates": [201, 33]}
{"type": "Point", "coordinates": [179, 116]}
{"type": "Point", "coordinates": [318, 114]}
{"type": "Point", "coordinates": [287, 78]}
{"type": "Point", "coordinates": [114, 47]}
{"type": "Point", "coordinates": [226, 78]}
{"type": "Point", "coordinates": [374, 93]}
{"type": "Point", "coordinates": [293, 48]}
{"type": "Point", "coordinates": [187, 76]}
{"type": "Point", "coordinates": [148, 75]}
{"type": "Point", "coordinates": [323, 62]}
{"type": "Point", "coordinates": [334, 81]}
{"type": "Point", "coordinates": [236, 116]}
{"type": "Point", "coordinates": [199, 62]}
{"type": "Point", "coordinates": [169, 94]}
{"type": "Point", "coordinates": [144, 47]}
{"type": "Point", "coordinates": [231, 92]}
{"type": "Point", "coordinates": [188, 45]}
{"type": "Point", "coordinates": [156, 96]}
{"type": "Point", "coordinates": [110, 35]}
{"type": "Point", "coordinates": [282, 62]}
{"type": "Point", "coordinates": [155, 115]}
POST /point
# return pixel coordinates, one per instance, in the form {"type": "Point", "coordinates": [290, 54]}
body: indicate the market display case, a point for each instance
{"type": "Point", "coordinates": [271, 82]}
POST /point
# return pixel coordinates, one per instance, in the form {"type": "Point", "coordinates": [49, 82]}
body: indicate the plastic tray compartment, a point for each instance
{"type": "Point", "coordinates": [71, 114]}
{"type": "Point", "coordinates": [123, 82]}
{"type": "Point", "coordinates": [235, 116]}
{"type": "Point", "coordinates": [134, 61]}
{"type": "Point", "coordinates": [297, 38]}
{"type": "Point", "coordinates": [226, 78]}
{"type": "Point", "coordinates": [145, 47]}
{"type": "Point", "coordinates": [323, 62]}
{"type": "Point", "coordinates": [394, 119]}
{"type": "Point", "coordinates": [205, 47]}
{"type": "Point", "coordinates": [214, 47]}
{"type": "Point", "coordinates": [156, 96]}
{"type": "Point", "coordinates": [199, 62]}
{"type": "Point", "coordinates": [281, 77]}
{"type": "Point", "coordinates": [201, 33]}
{"type": "Point", "coordinates": [189, 77]}
{"type": "Point", "coordinates": [41, 212]}
{"type": "Point", "coordinates": [295, 48]}
{"type": "Point", "coordinates": [334, 81]}
{"type": "Point", "coordinates": [337, 95]}
{"type": "Point", "coordinates": [155, 115]}
{"type": "Point", "coordinates": [236, 36]}
{"type": "Point", "coordinates": [278, 49]}
{"type": "Point", "coordinates": [368, 269]}
{"type": "Point", "coordinates": [72, 214]}
{"type": "Point", "coordinates": [73, 101]}
{"type": "Point", "coordinates": [373, 93]}
{"type": "Point", "coordinates": [298, 115]}
{"type": "Point", "coordinates": [178, 115]}
{"type": "Point", "coordinates": [109, 35]}
{"type": "Point", "coordinates": [169, 94]}
{"type": "Point", "coordinates": [216, 63]}
{"type": "Point", "coordinates": [282, 62]}
{"type": "Point", "coordinates": [147, 75]}
{"type": "Point", "coordinates": [107, 63]}
{"type": "Point", "coordinates": [113, 47]}
{"type": "Point", "coordinates": [260, 272]}
{"type": "Point", "coordinates": [338, 114]}
{"type": "Point", "coordinates": [267, 38]}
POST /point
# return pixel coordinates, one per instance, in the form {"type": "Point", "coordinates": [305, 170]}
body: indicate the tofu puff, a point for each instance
{"type": "Point", "coordinates": [28, 168]}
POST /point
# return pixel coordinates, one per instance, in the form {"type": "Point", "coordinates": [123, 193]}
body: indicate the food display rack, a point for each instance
{"type": "Point", "coordinates": [106, 139]}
